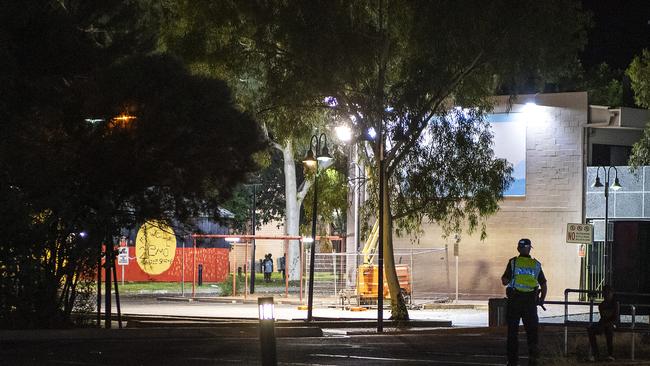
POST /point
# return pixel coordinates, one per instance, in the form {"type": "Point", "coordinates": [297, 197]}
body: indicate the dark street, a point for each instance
{"type": "Point", "coordinates": [163, 347]}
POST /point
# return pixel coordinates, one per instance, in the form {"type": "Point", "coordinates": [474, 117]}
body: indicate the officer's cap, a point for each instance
{"type": "Point", "coordinates": [524, 243]}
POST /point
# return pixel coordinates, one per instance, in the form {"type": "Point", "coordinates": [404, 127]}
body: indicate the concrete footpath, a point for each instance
{"type": "Point", "coordinates": [464, 313]}
{"type": "Point", "coordinates": [238, 317]}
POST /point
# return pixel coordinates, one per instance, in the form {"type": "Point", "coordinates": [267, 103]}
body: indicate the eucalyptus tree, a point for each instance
{"type": "Point", "coordinates": [401, 68]}
{"type": "Point", "coordinates": [240, 42]}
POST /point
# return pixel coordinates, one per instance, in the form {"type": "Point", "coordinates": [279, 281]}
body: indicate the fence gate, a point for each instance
{"type": "Point", "coordinates": [594, 267]}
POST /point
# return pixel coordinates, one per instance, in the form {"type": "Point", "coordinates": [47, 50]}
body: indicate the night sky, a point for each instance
{"type": "Point", "coordinates": [620, 31]}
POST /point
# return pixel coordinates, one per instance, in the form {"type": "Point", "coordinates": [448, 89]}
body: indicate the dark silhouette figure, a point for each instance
{"type": "Point", "coordinates": [609, 310]}
{"type": "Point", "coordinates": [200, 274]}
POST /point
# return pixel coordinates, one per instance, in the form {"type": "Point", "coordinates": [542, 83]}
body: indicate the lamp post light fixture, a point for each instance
{"type": "Point", "coordinates": [609, 251]}
{"type": "Point", "coordinates": [311, 160]}
{"type": "Point", "coordinates": [267, 331]}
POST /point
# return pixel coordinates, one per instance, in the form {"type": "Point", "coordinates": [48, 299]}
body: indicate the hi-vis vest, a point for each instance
{"type": "Point", "coordinates": [524, 274]}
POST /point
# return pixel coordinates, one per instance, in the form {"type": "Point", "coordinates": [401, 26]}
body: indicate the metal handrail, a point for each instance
{"type": "Point", "coordinates": [566, 304]}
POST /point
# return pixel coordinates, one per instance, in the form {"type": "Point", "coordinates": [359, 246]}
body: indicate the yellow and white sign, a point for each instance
{"type": "Point", "coordinates": [579, 233]}
{"type": "Point", "coordinates": [155, 247]}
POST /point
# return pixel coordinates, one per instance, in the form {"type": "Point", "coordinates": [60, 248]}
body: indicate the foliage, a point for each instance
{"type": "Point", "coordinates": [639, 74]}
{"type": "Point", "coordinates": [332, 204]}
{"type": "Point", "coordinates": [641, 151]}
{"type": "Point", "coordinates": [450, 179]}
{"type": "Point", "coordinates": [270, 196]}
{"type": "Point", "coordinates": [404, 74]}
{"type": "Point", "coordinates": [62, 174]}
{"type": "Point", "coordinates": [398, 67]}
{"type": "Point", "coordinates": [603, 84]}
{"type": "Point", "coordinates": [222, 39]}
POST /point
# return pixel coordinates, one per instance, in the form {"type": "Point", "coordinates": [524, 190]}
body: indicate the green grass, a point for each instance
{"type": "Point", "coordinates": [224, 287]}
{"type": "Point", "coordinates": [276, 281]}
{"type": "Point", "coordinates": [153, 287]}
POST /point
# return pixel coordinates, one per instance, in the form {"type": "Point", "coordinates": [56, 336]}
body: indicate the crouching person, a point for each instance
{"type": "Point", "coordinates": [609, 310]}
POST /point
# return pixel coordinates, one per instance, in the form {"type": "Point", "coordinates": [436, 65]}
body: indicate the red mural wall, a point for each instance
{"type": "Point", "coordinates": [215, 263]}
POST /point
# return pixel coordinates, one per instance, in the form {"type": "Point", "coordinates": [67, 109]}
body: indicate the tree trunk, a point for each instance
{"type": "Point", "coordinates": [292, 208]}
{"type": "Point", "coordinates": [398, 307]}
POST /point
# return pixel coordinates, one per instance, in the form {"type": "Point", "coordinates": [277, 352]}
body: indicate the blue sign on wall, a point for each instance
{"type": "Point", "coordinates": [510, 143]}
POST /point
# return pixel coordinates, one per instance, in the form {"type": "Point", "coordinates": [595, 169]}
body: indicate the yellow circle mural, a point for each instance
{"type": "Point", "coordinates": [155, 247]}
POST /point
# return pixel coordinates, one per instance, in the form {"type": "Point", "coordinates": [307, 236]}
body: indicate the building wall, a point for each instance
{"type": "Point", "coordinates": [214, 262]}
{"type": "Point", "coordinates": [241, 252]}
{"type": "Point", "coordinates": [554, 180]}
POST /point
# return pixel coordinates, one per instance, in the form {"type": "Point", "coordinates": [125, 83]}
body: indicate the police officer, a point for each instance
{"type": "Point", "coordinates": [523, 277]}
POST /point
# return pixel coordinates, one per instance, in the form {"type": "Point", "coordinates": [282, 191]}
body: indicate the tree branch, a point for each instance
{"type": "Point", "coordinates": [421, 206]}
{"type": "Point", "coordinates": [394, 157]}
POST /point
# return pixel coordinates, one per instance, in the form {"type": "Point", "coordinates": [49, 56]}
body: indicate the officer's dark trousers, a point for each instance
{"type": "Point", "coordinates": [522, 306]}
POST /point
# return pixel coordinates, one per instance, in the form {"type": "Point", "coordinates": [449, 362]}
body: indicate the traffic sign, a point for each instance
{"type": "Point", "coordinates": [580, 233]}
{"type": "Point", "coordinates": [123, 256]}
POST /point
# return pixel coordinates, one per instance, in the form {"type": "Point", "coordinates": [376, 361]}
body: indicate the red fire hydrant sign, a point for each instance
{"type": "Point", "coordinates": [580, 233]}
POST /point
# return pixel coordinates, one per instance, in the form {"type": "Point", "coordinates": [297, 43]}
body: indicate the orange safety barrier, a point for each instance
{"type": "Point", "coordinates": [367, 281]}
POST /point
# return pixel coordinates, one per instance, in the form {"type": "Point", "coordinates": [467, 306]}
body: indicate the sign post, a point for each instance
{"type": "Point", "coordinates": [580, 233]}
{"type": "Point", "coordinates": [456, 256]}
{"type": "Point", "coordinates": [123, 259]}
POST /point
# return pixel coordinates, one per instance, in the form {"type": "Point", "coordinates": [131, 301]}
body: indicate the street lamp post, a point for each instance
{"type": "Point", "coordinates": [380, 242]}
{"type": "Point", "coordinates": [253, 223]}
{"type": "Point", "coordinates": [311, 160]}
{"type": "Point", "coordinates": [615, 186]}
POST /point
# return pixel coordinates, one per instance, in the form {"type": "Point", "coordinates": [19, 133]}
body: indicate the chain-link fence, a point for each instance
{"type": "Point", "coordinates": [343, 275]}
{"type": "Point", "coordinates": [424, 274]}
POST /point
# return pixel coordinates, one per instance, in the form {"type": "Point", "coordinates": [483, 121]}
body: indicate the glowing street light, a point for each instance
{"type": "Point", "coordinates": [122, 121]}
{"type": "Point", "coordinates": [343, 133]}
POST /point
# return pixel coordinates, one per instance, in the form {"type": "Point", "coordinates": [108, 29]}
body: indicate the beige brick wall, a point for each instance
{"type": "Point", "coordinates": [554, 180]}
{"type": "Point", "coordinates": [242, 252]}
